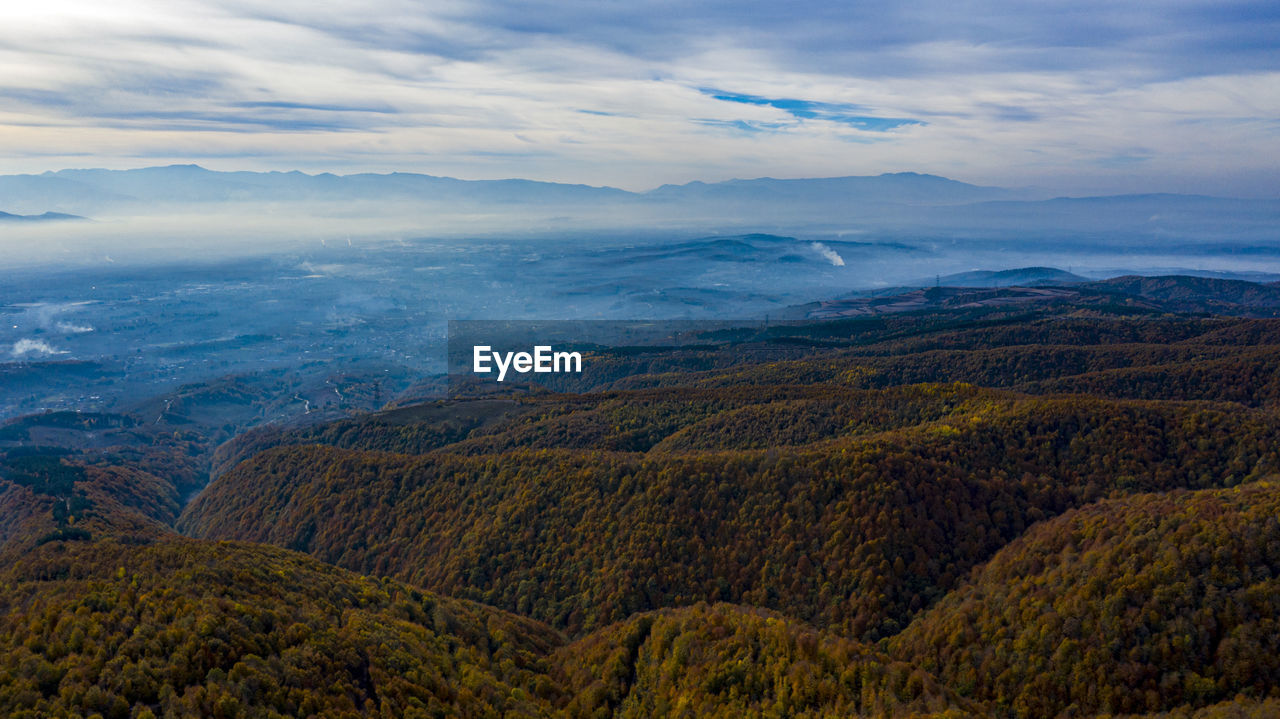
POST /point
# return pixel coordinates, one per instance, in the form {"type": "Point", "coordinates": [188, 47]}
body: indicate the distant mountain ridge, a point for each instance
{"type": "Point", "coordinates": [46, 217]}
{"type": "Point", "coordinates": [1039, 285]}
{"type": "Point", "coordinates": [1029, 276]}
{"type": "Point", "coordinates": [193, 183]}
{"type": "Point", "coordinates": [895, 205]}
{"type": "Point", "coordinates": [896, 187]}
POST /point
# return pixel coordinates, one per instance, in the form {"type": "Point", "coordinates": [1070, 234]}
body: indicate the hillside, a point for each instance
{"type": "Point", "coordinates": [187, 628]}
{"type": "Point", "coordinates": [805, 519]}
{"type": "Point", "coordinates": [49, 497]}
{"type": "Point", "coordinates": [1197, 293]}
{"type": "Point", "coordinates": [893, 518]}
{"type": "Point", "coordinates": [729, 661]}
{"type": "Point", "coordinates": [199, 629]}
{"type": "Point", "coordinates": [1127, 605]}
{"type": "Point", "coordinates": [1036, 287]}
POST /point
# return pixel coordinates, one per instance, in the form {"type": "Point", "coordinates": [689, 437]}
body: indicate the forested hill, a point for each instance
{"type": "Point", "coordinates": [996, 511]}
{"type": "Point", "coordinates": [181, 628]}
{"type": "Point", "coordinates": [1126, 605]}
{"type": "Point", "coordinates": [893, 518]}
{"type": "Point", "coordinates": [1038, 286]}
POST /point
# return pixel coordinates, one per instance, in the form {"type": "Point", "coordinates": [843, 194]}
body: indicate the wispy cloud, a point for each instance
{"type": "Point", "coordinates": [744, 125]}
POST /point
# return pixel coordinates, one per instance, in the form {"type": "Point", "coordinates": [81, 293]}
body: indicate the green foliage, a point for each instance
{"type": "Point", "coordinates": [47, 474]}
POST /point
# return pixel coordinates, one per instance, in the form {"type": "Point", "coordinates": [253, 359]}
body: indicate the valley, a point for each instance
{"type": "Point", "coordinates": [973, 509]}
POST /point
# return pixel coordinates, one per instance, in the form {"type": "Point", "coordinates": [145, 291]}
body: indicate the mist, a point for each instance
{"type": "Point", "coordinates": [187, 213]}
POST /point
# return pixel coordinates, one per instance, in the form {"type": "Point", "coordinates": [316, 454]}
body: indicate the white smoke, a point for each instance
{"type": "Point", "coordinates": [40, 348]}
{"type": "Point", "coordinates": [73, 329]}
{"type": "Point", "coordinates": [48, 316]}
{"type": "Point", "coordinates": [829, 254]}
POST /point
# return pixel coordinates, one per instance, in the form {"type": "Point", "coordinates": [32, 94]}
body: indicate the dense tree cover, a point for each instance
{"type": "Point", "coordinates": [1143, 357]}
{"type": "Point", "coordinates": [729, 661]}
{"type": "Point", "coordinates": [49, 495]}
{"type": "Point", "coordinates": [179, 461]}
{"type": "Point", "coordinates": [1238, 708]}
{"type": "Point", "coordinates": [47, 473]}
{"type": "Point", "coordinates": [634, 421]}
{"type": "Point", "coordinates": [1076, 328]}
{"type": "Point", "coordinates": [994, 326]}
{"type": "Point", "coordinates": [1191, 372]}
{"type": "Point", "coordinates": [718, 418]}
{"type": "Point", "coordinates": [1018, 366]}
{"type": "Point", "coordinates": [409, 430]}
{"type": "Point", "coordinates": [23, 428]}
{"type": "Point", "coordinates": [1206, 358]}
{"type": "Point", "coordinates": [1250, 377]}
{"type": "Point", "coordinates": [1108, 553]}
{"type": "Point", "coordinates": [1197, 294]}
{"type": "Point", "coordinates": [183, 628]}
{"type": "Point", "coordinates": [24, 515]}
{"type": "Point", "coordinates": [1126, 605]}
{"type": "Point", "coordinates": [44, 490]}
{"type": "Point", "coordinates": [176, 456]}
{"type": "Point", "coordinates": [853, 533]}
{"type": "Point", "coordinates": [822, 413]}
{"type": "Point", "coordinates": [180, 628]}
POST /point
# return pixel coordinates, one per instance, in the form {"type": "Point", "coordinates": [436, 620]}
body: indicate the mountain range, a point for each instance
{"type": "Point", "coordinates": [45, 217]}
{"type": "Point", "coordinates": [893, 200]}
{"type": "Point", "coordinates": [192, 183]}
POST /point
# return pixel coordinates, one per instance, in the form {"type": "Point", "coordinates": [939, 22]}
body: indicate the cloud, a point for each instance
{"type": "Point", "coordinates": [744, 125]}
{"type": "Point", "coordinates": [641, 93]}
{"type": "Point", "coordinates": [381, 110]}
{"type": "Point", "coordinates": [1164, 39]}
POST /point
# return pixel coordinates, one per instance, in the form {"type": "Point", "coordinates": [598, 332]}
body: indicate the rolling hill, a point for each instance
{"type": "Point", "coordinates": [987, 511]}
{"type": "Point", "coordinates": [1124, 606]}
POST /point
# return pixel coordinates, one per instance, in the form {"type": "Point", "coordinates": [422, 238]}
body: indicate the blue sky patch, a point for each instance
{"type": "Point", "coordinates": [844, 113]}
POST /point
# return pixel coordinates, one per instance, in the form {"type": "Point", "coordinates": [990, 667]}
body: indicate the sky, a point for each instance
{"type": "Point", "coordinates": [1082, 97]}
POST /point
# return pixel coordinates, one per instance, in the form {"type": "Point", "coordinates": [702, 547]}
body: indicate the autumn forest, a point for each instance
{"type": "Point", "coordinates": [1070, 509]}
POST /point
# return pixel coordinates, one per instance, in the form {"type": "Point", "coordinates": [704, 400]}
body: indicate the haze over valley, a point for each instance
{"type": "Point", "coordinates": [143, 281]}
